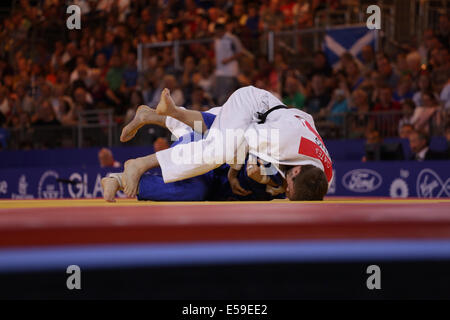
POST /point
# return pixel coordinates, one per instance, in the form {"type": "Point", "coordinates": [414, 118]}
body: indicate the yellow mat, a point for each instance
{"type": "Point", "coordinates": [11, 204]}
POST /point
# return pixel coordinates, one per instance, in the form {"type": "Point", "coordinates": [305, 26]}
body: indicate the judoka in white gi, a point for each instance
{"type": "Point", "coordinates": [251, 121]}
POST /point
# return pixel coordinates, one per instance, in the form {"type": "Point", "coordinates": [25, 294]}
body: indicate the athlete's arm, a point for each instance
{"type": "Point", "coordinates": [254, 172]}
{"type": "Point", "coordinates": [234, 183]}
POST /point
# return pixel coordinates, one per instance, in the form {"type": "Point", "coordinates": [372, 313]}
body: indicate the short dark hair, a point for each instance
{"type": "Point", "coordinates": [310, 184]}
{"type": "Point", "coordinates": [422, 135]}
{"type": "Point", "coordinates": [220, 26]}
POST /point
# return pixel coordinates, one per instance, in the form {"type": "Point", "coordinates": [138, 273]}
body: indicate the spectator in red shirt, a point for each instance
{"type": "Point", "coordinates": [386, 102]}
{"type": "Point", "coordinates": [387, 124]}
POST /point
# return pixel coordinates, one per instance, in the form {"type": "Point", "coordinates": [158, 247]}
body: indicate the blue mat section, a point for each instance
{"type": "Point", "coordinates": [114, 256]}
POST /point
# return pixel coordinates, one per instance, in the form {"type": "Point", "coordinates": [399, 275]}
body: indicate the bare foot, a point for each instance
{"type": "Point", "coordinates": [166, 105]}
{"type": "Point", "coordinates": [131, 175]}
{"type": "Point", "coordinates": [110, 187]}
{"type": "Point", "coordinates": [143, 116]}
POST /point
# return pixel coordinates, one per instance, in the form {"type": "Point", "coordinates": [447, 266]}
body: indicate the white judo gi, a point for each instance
{"type": "Point", "coordinates": [287, 137]}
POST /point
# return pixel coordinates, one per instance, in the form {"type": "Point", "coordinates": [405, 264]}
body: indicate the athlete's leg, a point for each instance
{"type": "Point", "coordinates": [177, 119]}
{"type": "Point", "coordinates": [134, 169]}
{"type": "Point", "coordinates": [144, 115]}
{"type": "Point", "coordinates": [110, 186]}
{"type": "Point", "coordinates": [152, 187]}
{"type": "Point", "coordinates": [192, 118]}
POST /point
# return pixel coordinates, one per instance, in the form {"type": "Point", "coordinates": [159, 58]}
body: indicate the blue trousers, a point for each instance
{"type": "Point", "coordinates": [152, 186]}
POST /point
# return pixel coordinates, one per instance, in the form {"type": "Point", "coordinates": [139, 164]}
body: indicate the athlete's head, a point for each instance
{"type": "Point", "coordinates": [306, 183]}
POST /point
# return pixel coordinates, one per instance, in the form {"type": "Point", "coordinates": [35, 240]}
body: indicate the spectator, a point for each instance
{"type": "Point", "coordinates": [372, 86]}
{"type": "Point", "coordinates": [302, 14]}
{"type": "Point", "coordinates": [160, 144]}
{"type": "Point", "coordinates": [82, 99]}
{"type": "Point", "coordinates": [424, 87]}
{"type": "Point", "coordinates": [405, 130]}
{"type": "Point", "coordinates": [320, 65]}
{"type": "Point", "coordinates": [130, 72]}
{"type": "Point", "coordinates": [187, 77]}
{"type": "Point", "coordinates": [252, 22]}
{"type": "Point", "coordinates": [170, 82]}
{"type": "Point", "coordinates": [336, 108]}
{"type": "Point", "coordinates": [69, 56]}
{"type": "Point", "coordinates": [419, 143]}
{"type": "Point", "coordinates": [204, 78]}
{"type": "Point", "coordinates": [404, 90]}
{"type": "Point", "coordinates": [106, 159]}
{"type": "Point", "coordinates": [443, 32]}
{"type": "Point", "coordinates": [23, 99]}
{"type": "Point", "coordinates": [45, 116]}
{"type": "Point", "coordinates": [414, 63]}
{"type": "Point", "coordinates": [445, 96]}
{"type": "Point", "coordinates": [81, 67]}
{"type": "Point", "coordinates": [358, 119]}
{"type": "Point", "coordinates": [247, 71]}
{"type": "Point", "coordinates": [372, 146]}
{"type": "Point", "coordinates": [319, 96]}
{"type": "Point", "coordinates": [373, 137]}
{"type": "Point", "coordinates": [426, 46]}
{"type": "Point", "coordinates": [386, 101]}
{"type": "Point", "coordinates": [287, 8]}
{"type": "Point", "coordinates": [114, 74]}
{"type": "Point", "coordinates": [408, 108]}
{"type": "Point", "coordinates": [56, 59]}
{"type": "Point", "coordinates": [199, 100]}
{"type": "Point", "coordinates": [135, 101]}
{"type": "Point", "coordinates": [344, 60]}
{"type": "Point", "coordinates": [401, 66]}
{"type": "Point", "coordinates": [389, 117]}
{"type": "Point", "coordinates": [228, 49]}
{"type": "Point", "coordinates": [426, 114]}
{"type": "Point", "coordinates": [101, 65]}
{"type": "Point", "coordinates": [377, 150]}
{"type": "Point", "coordinates": [5, 104]}
{"type": "Point", "coordinates": [271, 15]}
{"type": "Point", "coordinates": [368, 57]}
{"type": "Point", "coordinates": [387, 72]}
{"type": "Point", "coordinates": [294, 93]}
{"type": "Point", "coordinates": [440, 68]}
{"type": "Point", "coordinates": [353, 75]}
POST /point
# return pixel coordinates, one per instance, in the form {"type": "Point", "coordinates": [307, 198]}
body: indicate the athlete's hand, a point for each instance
{"type": "Point", "coordinates": [235, 185]}
{"type": "Point", "coordinates": [237, 189]}
{"type": "Point", "coordinates": [254, 172]}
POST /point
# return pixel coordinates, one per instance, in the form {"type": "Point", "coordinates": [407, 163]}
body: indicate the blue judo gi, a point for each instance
{"type": "Point", "coordinates": [212, 186]}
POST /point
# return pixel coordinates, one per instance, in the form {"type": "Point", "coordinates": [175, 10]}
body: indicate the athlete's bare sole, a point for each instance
{"type": "Point", "coordinates": [131, 176]}
{"type": "Point", "coordinates": [144, 115]}
{"type": "Point", "coordinates": [110, 187]}
{"type": "Point", "coordinates": [166, 105]}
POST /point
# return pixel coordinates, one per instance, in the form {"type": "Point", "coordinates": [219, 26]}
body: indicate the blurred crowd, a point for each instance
{"type": "Point", "coordinates": [50, 74]}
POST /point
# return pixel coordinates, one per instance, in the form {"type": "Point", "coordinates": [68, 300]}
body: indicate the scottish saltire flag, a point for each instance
{"type": "Point", "coordinates": [351, 39]}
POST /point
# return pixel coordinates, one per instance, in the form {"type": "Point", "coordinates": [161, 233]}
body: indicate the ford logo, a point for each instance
{"type": "Point", "coordinates": [362, 180]}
